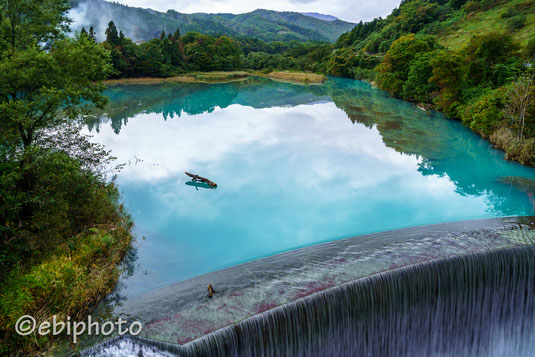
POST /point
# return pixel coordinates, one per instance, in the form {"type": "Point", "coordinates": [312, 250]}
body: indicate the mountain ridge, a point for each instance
{"type": "Point", "coordinates": [320, 16]}
{"type": "Point", "coordinates": [144, 24]}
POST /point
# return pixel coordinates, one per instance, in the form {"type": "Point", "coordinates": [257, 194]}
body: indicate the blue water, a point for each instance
{"type": "Point", "coordinates": [295, 165]}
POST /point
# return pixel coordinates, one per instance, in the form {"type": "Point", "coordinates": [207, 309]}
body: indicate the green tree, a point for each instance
{"type": "Point", "coordinates": [484, 114]}
{"type": "Point", "coordinates": [226, 54]}
{"type": "Point", "coordinates": [417, 86]}
{"type": "Point", "coordinates": [112, 36]}
{"type": "Point", "coordinates": [27, 23]}
{"type": "Point", "coordinates": [199, 51]}
{"type": "Point", "coordinates": [47, 81]}
{"type": "Point", "coordinates": [488, 56]}
{"type": "Point", "coordinates": [150, 59]}
{"type": "Point", "coordinates": [92, 35]}
{"type": "Point", "coordinates": [520, 99]}
{"type": "Point", "coordinates": [448, 76]}
{"type": "Point", "coordinates": [394, 69]}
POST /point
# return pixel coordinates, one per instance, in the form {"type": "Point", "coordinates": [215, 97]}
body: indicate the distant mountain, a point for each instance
{"type": "Point", "coordinates": [320, 16]}
{"type": "Point", "coordinates": [145, 24]}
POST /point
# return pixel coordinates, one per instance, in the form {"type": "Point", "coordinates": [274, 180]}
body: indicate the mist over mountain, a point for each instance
{"type": "Point", "coordinates": [145, 24]}
{"type": "Point", "coordinates": [320, 16]}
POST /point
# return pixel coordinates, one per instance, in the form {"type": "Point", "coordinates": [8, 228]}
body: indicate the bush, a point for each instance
{"type": "Point", "coordinates": [509, 12]}
{"type": "Point", "coordinates": [385, 46]}
{"type": "Point", "coordinates": [521, 150]}
{"type": "Point", "coordinates": [70, 266]}
{"type": "Point", "coordinates": [417, 86]}
{"type": "Point", "coordinates": [517, 22]}
{"type": "Point", "coordinates": [394, 69]}
{"type": "Point", "coordinates": [472, 6]}
{"type": "Point", "coordinates": [65, 284]}
{"type": "Point", "coordinates": [364, 74]}
{"type": "Point", "coordinates": [485, 113]}
{"type": "Point", "coordinates": [529, 51]}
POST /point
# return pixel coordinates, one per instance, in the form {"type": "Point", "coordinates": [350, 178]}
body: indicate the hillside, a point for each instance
{"type": "Point", "coordinates": [145, 24]}
{"type": "Point", "coordinates": [471, 60]}
{"type": "Point", "coordinates": [516, 17]}
{"type": "Point", "coordinates": [453, 23]}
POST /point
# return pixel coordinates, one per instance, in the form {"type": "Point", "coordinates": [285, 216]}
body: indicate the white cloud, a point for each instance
{"type": "Point", "coordinates": [353, 11]}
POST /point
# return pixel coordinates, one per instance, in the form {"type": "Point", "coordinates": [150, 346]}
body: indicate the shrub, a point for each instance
{"type": "Point", "coordinates": [516, 22]}
{"type": "Point", "coordinates": [472, 6]}
{"type": "Point", "coordinates": [364, 74]}
{"type": "Point", "coordinates": [417, 86]}
{"type": "Point", "coordinates": [70, 266]}
{"type": "Point", "coordinates": [521, 150]}
{"type": "Point", "coordinates": [385, 46]}
{"type": "Point", "coordinates": [66, 284]}
{"type": "Point", "coordinates": [529, 51]}
{"type": "Point", "coordinates": [485, 113]}
{"type": "Point", "coordinates": [394, 69]}
{"type": "Point", "coordinates": [509, 12]}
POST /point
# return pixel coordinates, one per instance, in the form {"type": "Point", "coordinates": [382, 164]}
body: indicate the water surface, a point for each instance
{"type": "Point", "coordinates": [295, 166]}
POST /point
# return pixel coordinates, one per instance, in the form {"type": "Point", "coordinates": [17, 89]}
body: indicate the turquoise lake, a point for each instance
{"type": "Point", "coordinates": [295, 165]}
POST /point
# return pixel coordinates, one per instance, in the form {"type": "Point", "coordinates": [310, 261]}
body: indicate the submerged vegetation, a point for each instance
{"type": "Point", "coordinates": [63, 230]}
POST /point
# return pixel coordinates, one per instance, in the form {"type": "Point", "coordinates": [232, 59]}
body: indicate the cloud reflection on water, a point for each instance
{"type": "Point", "coordinates": [287, 176]}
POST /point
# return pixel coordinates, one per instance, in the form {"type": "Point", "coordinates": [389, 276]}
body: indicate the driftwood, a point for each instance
{"type": "Point", "coordinates": [201, 179]}
{"type": "Point", "coordinates": [211, 291]}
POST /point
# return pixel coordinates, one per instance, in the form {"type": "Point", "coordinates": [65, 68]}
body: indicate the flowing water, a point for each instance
{"type": "Point", "coordinates": [301, 165]}
{"type": "Point", "coordinates": [476, 304]}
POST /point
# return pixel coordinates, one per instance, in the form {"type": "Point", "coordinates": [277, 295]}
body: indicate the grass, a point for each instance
{"type": "Point", "coordinates": [195, 77]}
{"type": "Point", "coordinates": [480, 22]}
{"type": "Point", "coordinates": [68, 281]}
{"type": "Point", "coordinates": [222, 77]}
{"type": "Point", "coordinates": [294, 77]}
{"type": "Point", "coordinates": [521, 150]}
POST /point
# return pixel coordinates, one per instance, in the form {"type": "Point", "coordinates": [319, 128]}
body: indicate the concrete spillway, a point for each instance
{"type": "Point", "coordinates": [464, 288]}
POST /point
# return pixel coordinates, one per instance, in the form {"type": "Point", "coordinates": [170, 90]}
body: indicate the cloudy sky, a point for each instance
{"type": "Point", "coordinates": [349, 10]}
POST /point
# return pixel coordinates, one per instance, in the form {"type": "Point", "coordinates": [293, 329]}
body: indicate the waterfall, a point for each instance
{"type": "Point", "coordinates": [479, 304]}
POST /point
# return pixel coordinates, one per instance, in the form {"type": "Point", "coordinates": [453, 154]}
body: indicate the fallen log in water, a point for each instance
{"type": "Point", "coordinates": [202, 179]}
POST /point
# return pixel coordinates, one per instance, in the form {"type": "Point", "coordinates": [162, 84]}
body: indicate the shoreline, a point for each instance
{"type": "Point", "coordinates": [69, 282]}
{"type": "Point", "coordinates": [196, 77]}
{"type": "Point", "coordinates": [222, 77]}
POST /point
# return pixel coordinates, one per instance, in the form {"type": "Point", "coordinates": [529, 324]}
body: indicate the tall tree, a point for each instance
{"type": "Point", "coordinates": [520, 98]}
{"type": "Point", "coordinates": [27, 23]}
{"type": "Point", "coordinates": [112, 36]}
{"type": "Point", "coordinates": [92, 35]}
{"type": "Point", "coordinates": [47, 80]}
{"type": "Point", "coordinates": [176, 35]}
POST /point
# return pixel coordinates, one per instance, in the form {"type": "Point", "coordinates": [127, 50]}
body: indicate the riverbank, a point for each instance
{"type": "Point", "coordinates": [223, 77]}
{"type": "Point", "coordinates": [68, 277]}
{"type": "Point", "coordinates": [196, 77]}
{"type": "Point", "coordinates": [480, 117]}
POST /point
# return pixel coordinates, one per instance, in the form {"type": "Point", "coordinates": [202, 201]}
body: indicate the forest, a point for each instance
{"type": "Point", "coordinates": [172, 54]}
